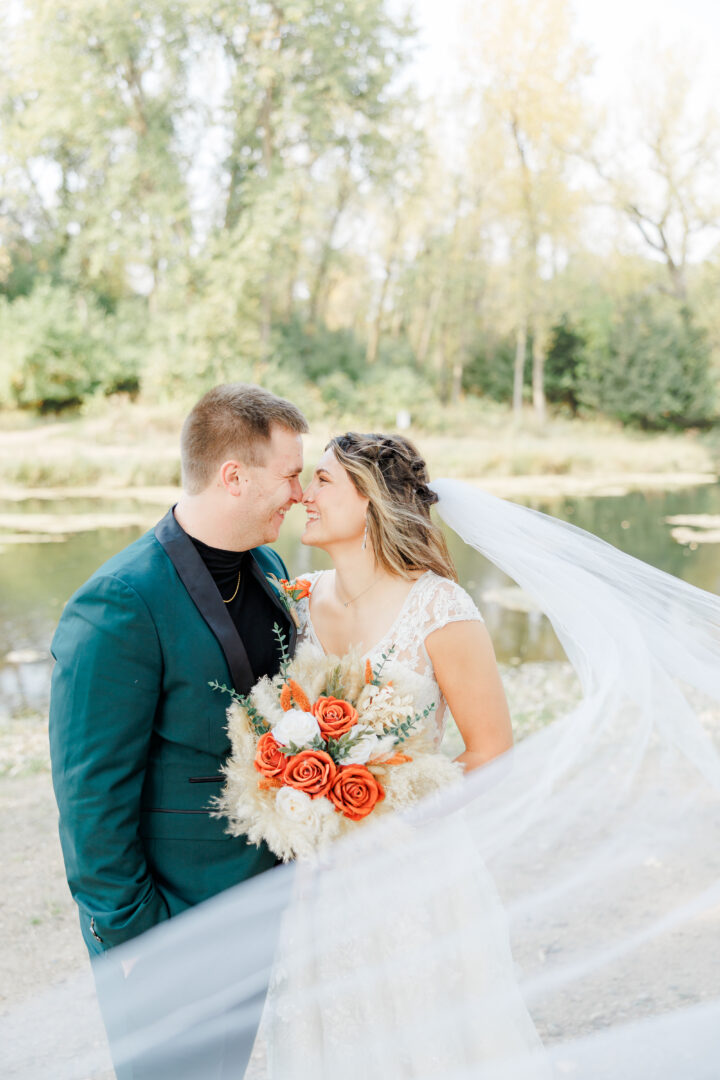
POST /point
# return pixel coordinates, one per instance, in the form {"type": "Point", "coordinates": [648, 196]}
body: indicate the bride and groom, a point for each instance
{"type": "Point", "coordinates": [138, 738]}
{"type": "Point", "coordinates": [394, 956]}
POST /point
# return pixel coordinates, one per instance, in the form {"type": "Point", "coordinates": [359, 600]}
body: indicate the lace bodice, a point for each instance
{"type": "Point", "coordinates": [432, 603]}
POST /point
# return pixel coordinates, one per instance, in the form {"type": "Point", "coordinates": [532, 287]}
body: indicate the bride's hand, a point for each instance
{"type": "Point", "coordinates": [465, 667]}
{"type": "Point", "coordinates": [471, 760]}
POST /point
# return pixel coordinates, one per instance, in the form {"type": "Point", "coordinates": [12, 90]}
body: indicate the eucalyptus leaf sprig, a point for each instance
{"type": "Point", "coordinates": [215, 685]}
{"type": "Point", "coordinates": [377, 671]}
{"type": "Point", "coordinates": [259, 725]}
{"type": "Point", "coordinates": [285, 658]}
{"type": "Point", "coordinates": [340, 747]}
{"type": "Point", "coordinates": [318, 743]}
{"type": "Point", "coordinates": [403, 729]}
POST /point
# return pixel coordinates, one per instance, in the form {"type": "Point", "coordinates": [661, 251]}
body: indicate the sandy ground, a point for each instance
{"type": "Point", "coordinates": [40, 940]}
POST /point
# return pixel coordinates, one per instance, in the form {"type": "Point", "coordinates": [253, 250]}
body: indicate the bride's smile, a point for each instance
{"type": "Point", "coordinates": [336, 511]}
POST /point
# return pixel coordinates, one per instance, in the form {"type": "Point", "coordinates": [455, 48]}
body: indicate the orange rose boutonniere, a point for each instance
{"type": "Point", "coordinates": [290, 592]}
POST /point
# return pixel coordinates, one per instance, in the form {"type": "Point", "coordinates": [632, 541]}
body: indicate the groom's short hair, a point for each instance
{"type": "Point", "coordinates": [232, 420]}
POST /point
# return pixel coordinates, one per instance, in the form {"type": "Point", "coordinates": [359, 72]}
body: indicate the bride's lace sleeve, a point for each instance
{"type": "Point", "coordinates": [448, 603]}
{"type": "Point", "coordinates": [437, 601]}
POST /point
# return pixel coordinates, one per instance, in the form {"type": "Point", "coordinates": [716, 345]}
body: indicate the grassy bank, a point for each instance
{"type": "Point", "coordinates": [120, 445]}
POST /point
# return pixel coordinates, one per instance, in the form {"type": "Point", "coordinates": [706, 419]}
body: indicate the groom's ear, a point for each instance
{"type": "Point", "coordinates": [233, 477]}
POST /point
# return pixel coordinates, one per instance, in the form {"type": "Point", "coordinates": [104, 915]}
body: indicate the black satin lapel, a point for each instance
{"type": "Point", "coordinates": [202, 589]}
{"type": "Point", "coordinates": [288, 620]}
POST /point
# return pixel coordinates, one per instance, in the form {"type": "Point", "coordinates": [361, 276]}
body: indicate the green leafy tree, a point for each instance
{"type": "Point", "coordinates": [649, 364]}
{"type": "Point", "coordinates": [58, 347]}
{"type": "Point", "coordinates": [562, 363]}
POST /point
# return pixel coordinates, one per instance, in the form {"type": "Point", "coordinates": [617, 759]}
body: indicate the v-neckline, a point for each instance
{"type": "Point", "coordinates": [387, 633]}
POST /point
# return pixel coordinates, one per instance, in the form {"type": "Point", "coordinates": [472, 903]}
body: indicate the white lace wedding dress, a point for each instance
{"type": "Point", "coordinates": [450, 953]}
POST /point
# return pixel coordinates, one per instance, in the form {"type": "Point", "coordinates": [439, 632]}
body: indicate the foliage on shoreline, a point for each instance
{"type": "Point", "coordinates": [119, 444]}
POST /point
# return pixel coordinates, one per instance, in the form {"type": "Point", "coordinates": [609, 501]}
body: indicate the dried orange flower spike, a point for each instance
{"type": "Point", "coordinates": [286, 698]}
{"type": "Point", "coordinates": [368, 672]}
{"type": "Point", "coordinates": [266, 782]}
{"type": "Point", "coordinates": [299, 695]}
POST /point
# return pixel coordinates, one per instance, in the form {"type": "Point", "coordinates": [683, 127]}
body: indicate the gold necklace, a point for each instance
{"type": "Point", "coordinates": [236, 589]}
{"type": "Point", "coordinates": [346, 603]}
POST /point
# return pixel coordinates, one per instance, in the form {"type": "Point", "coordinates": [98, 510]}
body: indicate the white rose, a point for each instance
{"type": "Point", "coordinates": [296, 727]}
{"type": "Point", "coordinates": [368, 746]}
{"type": "Point", "coordinates": [299, 807]}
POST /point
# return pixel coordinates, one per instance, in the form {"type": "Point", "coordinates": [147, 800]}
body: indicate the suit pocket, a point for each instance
{"type": "Point", "coordinates": [217, 779]}
{"type": "Point", "coordinates": [182, 825]}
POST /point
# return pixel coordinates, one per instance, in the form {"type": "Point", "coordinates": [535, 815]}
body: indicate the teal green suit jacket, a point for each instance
{"type": "Point", "coordinates": [138, 738]}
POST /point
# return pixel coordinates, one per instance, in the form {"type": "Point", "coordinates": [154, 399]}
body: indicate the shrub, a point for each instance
{"type": "Point", "coordinates": [649, 364]}
{"type": "Point", "coordinates": [60, 347]}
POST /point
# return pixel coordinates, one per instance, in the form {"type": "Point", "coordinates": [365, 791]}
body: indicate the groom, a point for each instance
{"type": "Point", "coordinates": [137, 736]}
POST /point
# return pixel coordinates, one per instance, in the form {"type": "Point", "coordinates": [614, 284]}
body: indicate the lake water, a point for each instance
{"type": "Point", "coordinates": [37, 578]}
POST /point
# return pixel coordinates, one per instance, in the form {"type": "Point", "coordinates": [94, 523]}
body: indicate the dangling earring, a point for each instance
{"type": "Point", "coordinates": [364, 543]}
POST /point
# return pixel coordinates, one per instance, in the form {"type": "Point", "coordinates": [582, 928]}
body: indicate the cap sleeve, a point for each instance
{"type": "Point", "coordinates": [449, 603]}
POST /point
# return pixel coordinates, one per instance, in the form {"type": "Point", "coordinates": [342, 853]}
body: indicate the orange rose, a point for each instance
{"type": "Point", "coordinates": [269, 759]}
{"type": "Point", "coordinates": [311, 771]}
{"type": "Point", "coordinates": [301, 589]}
{"type": "Point", "coordinates": [334, 716]}
{"type": "Point", "coordinates": [296, 590]}
{"type": "Point", "coordinates": [355, 792]}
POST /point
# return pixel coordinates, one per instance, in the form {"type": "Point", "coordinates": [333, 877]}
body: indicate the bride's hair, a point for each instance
{"type": "Point", "coordinates": [389, 471]}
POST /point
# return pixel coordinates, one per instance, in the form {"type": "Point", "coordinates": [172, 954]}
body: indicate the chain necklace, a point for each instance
{"type": "Point", "coordinates": [346, 603]}
{"type": "Point", "coordinates": [236, 589]}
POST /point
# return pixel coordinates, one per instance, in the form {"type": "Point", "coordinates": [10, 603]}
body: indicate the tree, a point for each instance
{"type": "Point", "coordinates": [92, 107]}
{"type": "Point", "coordinates": [662, 172]}
{"type": "Point", "coordinates": [531, 93]}
{"type": "Point", "coordinates": [648, 364]}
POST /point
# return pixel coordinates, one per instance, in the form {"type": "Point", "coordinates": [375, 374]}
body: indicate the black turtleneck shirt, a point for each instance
{"type": "Point", "coordinates": [251, 609]}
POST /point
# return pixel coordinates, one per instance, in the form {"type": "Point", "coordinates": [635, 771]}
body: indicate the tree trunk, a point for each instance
{"type": "Point", "coordinates": [322, 272]}
{"type": "Point", "coordinates": [538, 375]}
{"type": "Point", "coordinates": [373, 344]}
{"type": "Point", "coordinates": [456, 384]}
{"type": "Point", "coordinates": [519, 370]}
{"type": "Point", "coordinates": [428, 325]}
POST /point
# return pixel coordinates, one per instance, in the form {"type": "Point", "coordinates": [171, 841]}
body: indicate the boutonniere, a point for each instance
{"type": "Point", "coordinates": [289, 593]}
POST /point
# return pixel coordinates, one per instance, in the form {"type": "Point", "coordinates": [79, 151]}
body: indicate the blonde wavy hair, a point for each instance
{"type": "Point", "coordinates": [389, 471]}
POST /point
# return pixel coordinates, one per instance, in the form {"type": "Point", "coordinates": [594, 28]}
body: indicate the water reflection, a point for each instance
{"type": "Point", "coordinates": [36, 579]}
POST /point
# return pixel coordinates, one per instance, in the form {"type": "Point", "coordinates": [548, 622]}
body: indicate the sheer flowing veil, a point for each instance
{"type": "Point", "coordinates": [592, 851]}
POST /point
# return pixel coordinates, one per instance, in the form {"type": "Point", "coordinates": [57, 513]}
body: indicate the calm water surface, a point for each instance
{"type": "Point", "coordinates": [37, 578]}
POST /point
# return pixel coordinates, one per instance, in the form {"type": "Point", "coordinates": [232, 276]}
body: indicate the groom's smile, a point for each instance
{"type": "Point", "coordinates": [276, 484]}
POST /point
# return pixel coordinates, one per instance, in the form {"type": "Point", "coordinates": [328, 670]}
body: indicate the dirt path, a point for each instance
{"type": "Point", "coordinates": [40, 940]}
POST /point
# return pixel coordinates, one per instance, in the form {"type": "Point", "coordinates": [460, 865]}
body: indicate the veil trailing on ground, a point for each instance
{"type": "Point", "coordinates": [591, 851]}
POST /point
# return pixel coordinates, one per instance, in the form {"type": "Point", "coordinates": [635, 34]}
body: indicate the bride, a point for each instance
{"type": "Point", "coordinates": [393, 584]}
{"type": "Point", "coordinates": [393, 593]}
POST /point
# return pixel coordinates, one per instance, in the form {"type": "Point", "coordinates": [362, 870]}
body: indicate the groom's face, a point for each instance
{"type": "Point", "coordinates": [274, 486]}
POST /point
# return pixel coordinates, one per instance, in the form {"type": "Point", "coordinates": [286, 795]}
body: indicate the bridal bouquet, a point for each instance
{"type": "Point", "coordinates": [322, 747]}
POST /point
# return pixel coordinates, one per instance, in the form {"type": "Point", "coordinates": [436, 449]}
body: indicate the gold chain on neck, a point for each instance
{"type": "Point", "coordinates": [236, 589]}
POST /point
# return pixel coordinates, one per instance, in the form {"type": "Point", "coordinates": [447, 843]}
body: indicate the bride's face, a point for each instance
{"type": "Point", "coordinates": [336, 510]}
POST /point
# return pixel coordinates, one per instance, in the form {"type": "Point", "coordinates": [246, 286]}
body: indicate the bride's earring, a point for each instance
{"type": "Point", "coordinates": [364, 543]}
